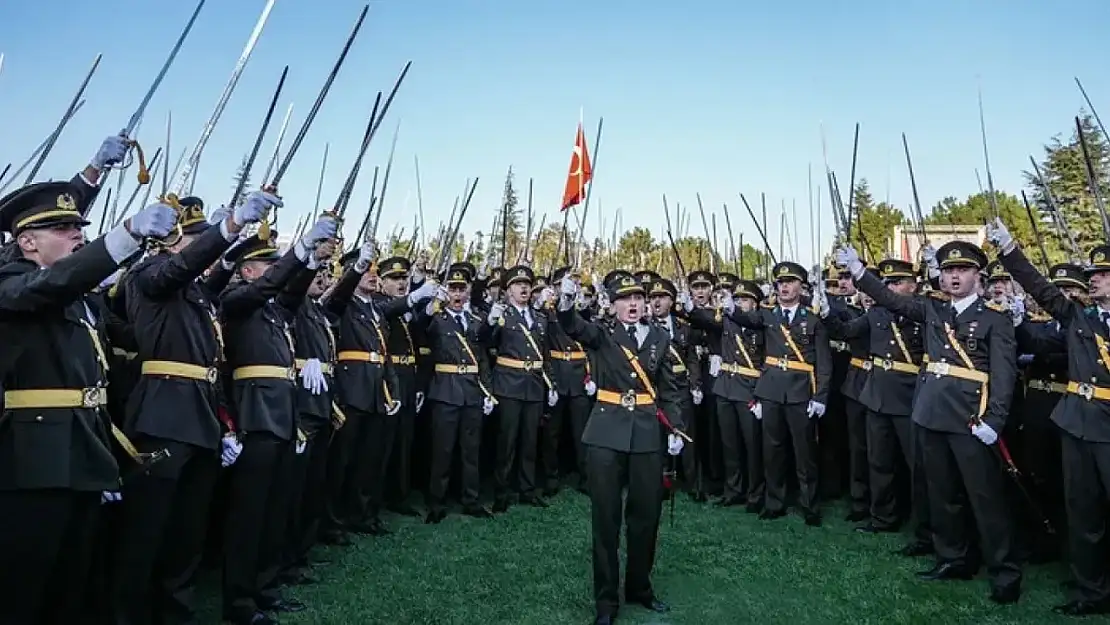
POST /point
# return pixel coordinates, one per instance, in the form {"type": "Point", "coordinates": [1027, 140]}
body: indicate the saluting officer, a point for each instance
{"type": "Point", "coordinates": [792, 389]}
{"type": "Point", "coordinates": [1082, 415]}
{"type": "Point", "coordinates": [55, 457]}
{"type": "Point", "coordinates": [962, 402]}
{"type": "Point", "coordinates": [634, 372]}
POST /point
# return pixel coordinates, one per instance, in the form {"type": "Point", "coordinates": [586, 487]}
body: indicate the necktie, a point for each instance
{"type": "Point", "coordinates": [459, 321]}
{"type": "Point", "coordinates": [1105, 318]}
{"type": "Point", "coordinates": [632, 335]}
{"type": "Point", "coordinates": [786, 315]}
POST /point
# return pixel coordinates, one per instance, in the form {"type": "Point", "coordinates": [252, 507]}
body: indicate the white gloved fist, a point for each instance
{"type": "Point", "coordinates": [156, 220]}
{"type": "Point", "coordinates": [426, 291]}
{"type": "Point", "coordinates": [367, 254]}
{"type": "Point", "coordinates": [603, 301]}
{"type": "Point", "coordinates": [757, 410]}
{"type": "Point", "coordinates": [230, 448]}
{"type": "Point", "coordinates": [552, 397]}
{"type": "Point", "coordinates": [419, 400]}
{"type": "Point", "coordinates": [496, 312]}
{"type": "Point", "coordinates": [714, 365]}
{"type": "Point", "coordinates": [1025, 359]}
{"type": "Point", "coordinates": [591, 388]}
{"type": "Point", "coordinates": [685, 302]}
{"type": "Point", "coordinates": [325, 228]}
{"type": "Point", "coordinates": [674, 444]}
{"type": "Point", "coordinates": [442, 294]}
{"type": "Point", "coordinates": [393, 408]}
{"type": "Point", "coordinates": [546, 295]}
{"type": "Point", "coordinates": [815, 409]}
{"type": "Point", "coordinates": [255, 207]}
{"type": "Point", "coordinates": [218, 216]}
{"type": "Point", "coordinates": [728, 303]}
{"type": "Point", "coordinates": [1017, 311]}
{"type": "Point", "coordinates": [821, 298]}
{"type": "Point", "coordinates": [999, 234]}
{"type": "Point", "coordinates": [984, 433]}
{"type": "Point", "coordinates": [110, 496]}
{"type": "Point", "coordinates": [697, 396]}
{"type": "Point", "coordinates": [300, 447]}
{"type": "Point", "coordinates": [111, 152]}
{"type": "Point", "coordinates": [847, 257]}
{"type": "Point", "coordinates": [312, 377]}
{"type": "Point", "coordinates": [487, 406]}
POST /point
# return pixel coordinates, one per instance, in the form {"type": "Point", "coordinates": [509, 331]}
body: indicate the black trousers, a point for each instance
{"type": "Point", "coordinates": [572, 410]}
{"type": "Point", "coordinates": [889, 445]}
{"type": "Point", "coordinates": [710, 454]}
{"type": "Point", "coordinates": [742, 441]}
{"type": "Point", "coordinates": [517, 432]}
{"type": "Point", "coordinates": [451, 425]}
{"type": "Point", "coordinates": [399, 471]}
{"type": "Point", "coordinates": [306, 497]}
{"type": "Point", "coordinates": [959, 463]}
{"type": "Point", "coordinates": [377, 433]}
{"type": "Point", "coordinates": [611, 473]}
{"type": "Point", "coordinates": [46, 547]}
{"type": "Point", "coordinates": [257, 518]}
{"type": "Point", "coordinates": [1086, 489]}
{"type": "Point", "coordinates": [859, 491]}
{"type": "Point", "coordinates": [783, 425]}
{"type": "Point", "coordinates": [159, 535]}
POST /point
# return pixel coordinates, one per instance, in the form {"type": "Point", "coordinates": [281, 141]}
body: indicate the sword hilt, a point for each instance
{"type": "Point", "coordinates": [144, 172]}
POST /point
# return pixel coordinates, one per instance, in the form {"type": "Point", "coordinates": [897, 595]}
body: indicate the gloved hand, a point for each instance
{"type": "Point", "coordinates": [218, 216]}
{"type": "Point", "coordinates": [821, 299]}
{"type": "Point", "coordinates": [487, 406]}
{"type": "Point", "coordinates": [1025, 359]}
{"type": "Point", "coordinates": [419, 401]}
{"type": "Point", "coordinates": [714, 365]}
{"type": "Point", "coordinates": [110, 280]}
{"type": "Point", "coordinates": [591, 387]}
{"type": "Point", "coordinates": [1017, 310]}
{"type": "Point", "coordinates": [110, 496]}
{"type": "Point", "coordinates": [847, 257]}
{"type": "Point", "coordinates": [426, 291]}
{"type": "Point", "coordinates": [300, 447]}
{"type": "Point", "coordinates": [156, 220]}
{"type": "Point", "coordinates": [111, 152]}
{"type": "Point", "coordinates": [230, 448]}
{"type": "Point", "coordinates": [815, 409]}
{"type": "Point", "coordinates": [757, 410]}
{"type": "Point", "coordinates": [568, 291]}
{"type": "Point", "coordinates": [496, 312]}
{"type": "Point", "coordinates": [393, 408]}
{"type": "Point", "coordinates": [546, 295]}
{"type": "Point", "coordinates": [999, 234]}
{"type": "Point", "coordinates": [984, 433]}
{"type": "Point", "coordinates": [685, 302]}
{"type": "Point", "coordinates": [324, 229]}
{"type": "Point", "coordinates": [367, 254]}
{"type": "Point", "coordinates": [312, 377]}
{"type": "Point", "coordinates": [255, 208]}
{"type": "Point", "coordinates": [728, 303]}
{"type": "Point", "coordinates": [697, 396]}
{"type": "Point", "coordinates": [929, 255]}
{"type": "Point", "coordinates": [674, 444]}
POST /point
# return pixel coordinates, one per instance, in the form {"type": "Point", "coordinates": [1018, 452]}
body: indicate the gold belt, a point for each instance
{"type": "Point", "coordinates": [325, 367]}
{"type": "Point", "coordinates": [887, 364]}
{"type": "Point", "coordinates": [458, 369]}
{"type": "Point", "coordinates": [513, 363]}
{"type": "Point", "coordinates": [784, 364]}
{"type": "Point", "coordinates": [740, 370]}
{"type": "Point", "coordinates": [944, 369]}
{"type": "Point", "coordinates": [403, 360]}
{"type": "Point", "coordinates": [44, 398]}
{"type": "Point", "coordinates": [1084, 390]}
{"type": "Point", "coordinates": [184, 370]}
{"type": "Point", "coordinates": [360, 356]}
{"type": "Point", "coordinates": [568, 356]}
{"type": "Point", "coordinates": [860, 363]}
{"type": "Point", "coordinates": [1049, 387]}
{"type": "Point", "coordinates": [264, 372]}
{"type": "Point", "coordinates": [628, 399]}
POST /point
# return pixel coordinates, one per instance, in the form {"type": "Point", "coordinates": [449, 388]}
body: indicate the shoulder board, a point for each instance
{"type": "Point", "coordinates": [1040, 317]}
{"type": "Point", "coordinates": [999, 308]}
{"type": "Point", "coordinates": [680, 320]}
{"type": "Point", "coordinates": [813, 310]}
{"type": "Point", "coordinates": [940, 295]}
{"type": "Point", "coordinates": [767, 305]}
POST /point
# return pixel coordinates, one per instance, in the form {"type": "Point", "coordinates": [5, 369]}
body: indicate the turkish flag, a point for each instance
{"type": "Point", "coordinates": [581, 173]}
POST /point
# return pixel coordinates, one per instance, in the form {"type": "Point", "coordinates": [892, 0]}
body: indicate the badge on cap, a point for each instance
{"type": "Point", "coordinates": [1100, 257]}
{"type": "Point", "coordinates": [954, 253]}
{"type": "Point", "coordinates": [66, 203]}
{"type": "Point", "coordinates": [998, 270]}
{"type": "Point", "coordinates": [783, 270]}
{"type": "Point", "coordinates": [1061, 273]}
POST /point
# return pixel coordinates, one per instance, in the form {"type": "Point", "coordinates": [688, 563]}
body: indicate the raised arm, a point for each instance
{"type": "Point", "coordinates": [161, 280]}
{"type": "Point", "coordinates": [842, 325]}
{"type": "Point", "coordinates": [250, 296]}
{"type": "Point", "coordinates": [912, 307]}
{"type": "Point", "coordinates": [1048, 295]}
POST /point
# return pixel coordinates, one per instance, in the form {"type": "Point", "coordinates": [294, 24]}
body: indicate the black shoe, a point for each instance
{"type": "Point", "coordinates": [728, 502]}
{"type": "Point", "coordinates": [501, 504]}
{"type": "Point", "coordinates": [871, 528]}
{"type": "Point", "coordinates": [535, 502]}
{"type": "Point", "coordinates": [1006, 594]}
{"type": "Point", "coordinates": [283, 605]}
{"type": "Point", "coordinates": [551, 491]}
{"type": "Point", "coordinates": [1083, 608]}
{"type": "Point", "coordinates": [813, 519]}
{"type": "Point", "coordinates": [916, 549]}
{"type": "Point", "coordinates": [651, 603]}
{"type": "Point", "coordinates": [478, 512]}
{"type": "Point", "coordinates": [336, 537]}
{"type": "Point", "coordinates": [298, 578]}
{"type": "Point", "coordinates": [946, 571]}
{"type": "Point", "coordinates": [768, 515]}
{"type": "Point", "coordinates": [258, 618]}
{"type": "Point", "coordinates": [857, 516]}
{"type": "Point", "coordinates": [404, 509]}
{"type": "Point", "coordinates": [753, 508]}
{"type": "Point", "coordinates": [435, 516]}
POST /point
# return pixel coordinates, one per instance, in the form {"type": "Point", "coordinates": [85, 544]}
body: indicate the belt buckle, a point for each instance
{"type": "Point", "coordinates": [566, 355]}
{"type": "Point", "coordinates": [628, 399]}
{"type": "Point", "coordinates": [291, 374]}
{"type": "Point", "coordinates": [1037, 385]}
{"type": "Point", "coordinates": [90, 397]}
{"type": "Point", "coordinates": [375, 357]}
{"type": "Point", "coordinates": [868, 365]}
{"type": "Point", "coordinates": [1086, 391]}
{"type": "Point", "coordinates": [211, 375]}
{"type": "Point", "coordinates": [784, 364]}
{"type": "Point", "coordinates": [940, 369]}
{"type": "Point", "coordinates": [886, 363]}
{"type": "Point", "coordinates": [462, 369]}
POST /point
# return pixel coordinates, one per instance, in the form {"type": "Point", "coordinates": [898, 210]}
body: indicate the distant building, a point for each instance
{"type": "Point", "coordinates": [906, 242]}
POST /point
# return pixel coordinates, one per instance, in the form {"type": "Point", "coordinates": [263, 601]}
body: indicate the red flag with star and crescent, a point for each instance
{"type": "Point", "coordinates": [581, 173]}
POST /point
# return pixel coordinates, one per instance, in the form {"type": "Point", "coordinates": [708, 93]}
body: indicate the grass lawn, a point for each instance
{"type": "Point", "coordinates": [532, 567]}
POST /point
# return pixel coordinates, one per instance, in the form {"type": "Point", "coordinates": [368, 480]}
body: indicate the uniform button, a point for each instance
{"type": "Point", "coordinates": [633, 374]}
{"type": "Point", "coordinates": [1093, 380]}
{"type": "Point", "coordinates": [892, 342]}
{"type": "Point", "coordinates": [38, 418]}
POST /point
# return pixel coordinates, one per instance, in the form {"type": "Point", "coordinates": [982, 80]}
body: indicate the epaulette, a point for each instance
{"type": "Point", "coordinates": [1040, 317]}
{"type": "Point", "coordinates": [998, 308]}
{"type": "Point", "coordinates": [813, 310]}
{"type": "Point", "coordinates": [939, 295]}
{"type": "Point", "coordinates": [767, 305]}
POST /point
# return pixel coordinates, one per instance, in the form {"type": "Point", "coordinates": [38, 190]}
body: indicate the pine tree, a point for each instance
{"type": "Point", "coordinates": [242, 175]}
{"type": "Point", "coordinates": [514, 237]}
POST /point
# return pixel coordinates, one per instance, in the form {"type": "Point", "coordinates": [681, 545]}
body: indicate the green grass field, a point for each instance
{"type": "Point", "coordinates": [532, 567]}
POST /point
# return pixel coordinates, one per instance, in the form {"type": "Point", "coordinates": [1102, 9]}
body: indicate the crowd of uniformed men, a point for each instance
{"type": "Point", "coordinates": [176, 388]}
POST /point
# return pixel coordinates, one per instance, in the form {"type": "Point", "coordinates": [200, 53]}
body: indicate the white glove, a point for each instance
{"type": "Point", "coordinates": [546, 295]}
{"type": "Point", "coordinates": [156, 220]}
{"type": "Point", "coordinates": [487, 406]}
{"type": "Point", "coordinates": [218, 216]}
{"type": "Point", "coordinates": [568, 291]}
{"type": "Point", "coordinates": [111, 152]}
{"type": "Point", "coordinates": [728, 303]}
{"type": "Point", "coordinates": [110, 496]}
{"type": "Point", "coordinates": [552, 397]}
{"type": "Point", "coordinates": [929, 255]}
{"type": "Point", "coordinates": [322, 230]}
{"type": "Point", "coordinates": [419, 400]}
{"type": "Point", "coordinates": [821, 298]}
{"type": "Point", "coordinates": [483, 270]}
{"type": "Point", "coordinates": [300, 447]}
{"type": "Point", "coordinates": [1017, 311]}
{"type": "Point", "coordinates": [496, 312]}
{"type": "Point", "coordinates": [1025, 359]}
{"type": "Point", "coordinates": [393, 408]}
{"type": "Point", "coordinates": [697, 396]}
{"type": "Point", "coordinates": [591, 388]}
{"type": "Point", "coordinates": [999, 234]}
{"type": "Point", "coordinates": [254, 209]}
{"type": "Point", "coordinates": [674, 444]}
{"type": "Point", "coordinates": [112, 279]}
{"type": "Point", "coordinates": [685, 302]}
{"type": "Point", "coordinates": [367, 254]}
{"type": "Point", "coordinates": [603, 301]}
{"type": "Point", "coordinates": [230, 448]}
{"type": "Point", "coordinates": [441, 293]}
{"type": "Point", "coordinates": [847, 257]}
{"type": "Point", "coordinates": [426, 291]}
{"type": "Point", "coordinates": [312, 377]}
{"type": "Point", "coordinates": [757, 410]}
{"type": "Point", "coordinates": [984, 433]}
{"type": "Point", "coordinates": [714, 365]}
{"type": "Point", "coordinates": [815, 409]}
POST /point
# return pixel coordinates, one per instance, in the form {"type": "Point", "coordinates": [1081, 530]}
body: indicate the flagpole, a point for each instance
{"type": "Point", "coordinates": [589, 190]}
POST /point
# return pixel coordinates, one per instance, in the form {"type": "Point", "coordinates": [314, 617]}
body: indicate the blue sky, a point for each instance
{"type": "Point", "coordinates": [702, 96]}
